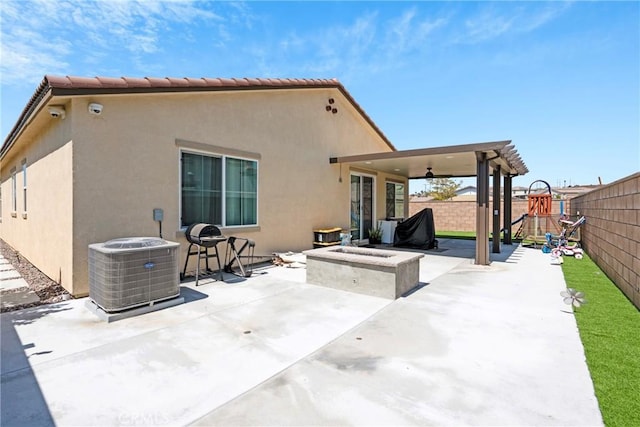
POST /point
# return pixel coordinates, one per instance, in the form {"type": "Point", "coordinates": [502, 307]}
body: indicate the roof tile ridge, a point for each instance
{"type": "Point", "coordinates": [56, 81]}
{"type": "Point", "coordinates": [241, 82]}
{"type": "Point", "coordinates": [212, 81]}
{"type": "Point", "coordinates": [225, 81]}
{"type": "Point", "coordinates": [178, 81]}
{"type": "Point", "coordinates": [85, 82]}
{"type": "Point", "coordinates": [112, 82]}
{"type": "Point", "coordinates": [158, 81]}
{"type": "Point", "coordinates": [196, 81]}
{"type": "Point", "coordinates": [132, 82]}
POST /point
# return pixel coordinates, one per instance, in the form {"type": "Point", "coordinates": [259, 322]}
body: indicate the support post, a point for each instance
{"type": "Point", "coordinates": [482, 209]}
{"type": "Point", "coordinates": [506, 239]}
{"type": "Point", "coordinates": [496, 211]}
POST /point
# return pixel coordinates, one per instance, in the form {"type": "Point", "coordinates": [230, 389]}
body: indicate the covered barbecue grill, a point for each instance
{"type": "Point", "coordinates": [417, 232]}
{"type": "Point", "coordinates": [201, 236]}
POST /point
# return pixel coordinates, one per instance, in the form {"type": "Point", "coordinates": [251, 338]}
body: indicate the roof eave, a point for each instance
{"type": "Point", "coordinates": [81, 86]}
{"type": "Point", "coordinates": [40, 97]}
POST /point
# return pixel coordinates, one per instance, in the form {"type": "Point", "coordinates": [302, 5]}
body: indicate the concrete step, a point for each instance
{"type": "Point", "coordinates": [13, 299]}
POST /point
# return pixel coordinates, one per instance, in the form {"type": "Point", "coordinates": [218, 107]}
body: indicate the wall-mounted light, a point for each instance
{"type": "Point", "coordinates": [328, 108]}
{"type": "Point", "coordinates": [57, 111]}
{"type": "Point", "coordinates": [331, 100]}
{"type": "Point", "coordinates": [334, 111]}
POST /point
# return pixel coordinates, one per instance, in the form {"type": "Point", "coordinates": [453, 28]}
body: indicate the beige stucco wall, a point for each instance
{"type": "Point", "coordinates": [44, 234]}
{"type": "Point", "coordinates": [126, 163]}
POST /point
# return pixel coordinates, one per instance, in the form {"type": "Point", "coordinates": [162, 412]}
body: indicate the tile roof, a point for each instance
{"type": "Point", "coordinates": [70, 82]}
{"type": "Point", "coordinates": [70, 85]}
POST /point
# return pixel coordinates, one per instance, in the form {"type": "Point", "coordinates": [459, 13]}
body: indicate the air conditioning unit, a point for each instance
{"type": "Point", "coordinates": [131, 272]}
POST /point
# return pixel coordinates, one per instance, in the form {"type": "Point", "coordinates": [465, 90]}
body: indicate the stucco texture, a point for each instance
{"type": "Point", "coordinates": [125, 162]}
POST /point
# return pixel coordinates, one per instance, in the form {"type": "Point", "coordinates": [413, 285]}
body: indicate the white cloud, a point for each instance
{"type": "Point", "coordinates": [408, 34]}
{"type": "Point", "coordinates": [368, 45]}
{"type": "Point", "coordinates": [547, 14]}
{"type": "Point", "coordinates": [498, 19]}
{"type": "Point", "coordinates": [21, 63]}
{"type": "Point", "coordinates": [487, 26]}
{"type": "Point", "coordinates": [91, 37]}
{"type": "Point", "coordinates": [43, 36]}
{"type": "Point", "coordinates": [400, 30]}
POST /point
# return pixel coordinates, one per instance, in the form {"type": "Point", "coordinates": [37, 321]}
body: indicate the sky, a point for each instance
{"type": "Point", "coordinates": [561, 80]}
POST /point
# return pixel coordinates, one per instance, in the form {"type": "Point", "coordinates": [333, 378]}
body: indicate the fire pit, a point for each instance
{"type": "Point", "coordinates": [376, 272]}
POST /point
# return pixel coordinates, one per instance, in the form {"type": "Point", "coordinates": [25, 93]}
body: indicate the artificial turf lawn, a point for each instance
{"type": "Point", "coordinates": [609, 327]}
{"type": "Point", "coordinates": [468, 235]}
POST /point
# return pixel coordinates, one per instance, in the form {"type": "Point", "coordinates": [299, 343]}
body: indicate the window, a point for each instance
{"type": "Point", "coordinates": [218, 190]}
{"type": "Point", "coordinates": [395, 200]}
{"type": "Point", "coordinates": [241, 192]}
{"type": "Point", "coordinates": [24, 185]}
{"type": "Point", "coordinates": [201, 189]}
{"type": "Point", "coordinates": [362, 205]}
{"type": "Point", "coordinates": [14, 189]}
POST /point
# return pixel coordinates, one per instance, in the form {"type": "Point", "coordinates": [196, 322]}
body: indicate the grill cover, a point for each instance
{"type": "Point", "coordinates": [417, 232]}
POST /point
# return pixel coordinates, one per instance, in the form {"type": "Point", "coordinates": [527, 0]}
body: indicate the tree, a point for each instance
{"type": "Point", "coordinates": [444, 188]}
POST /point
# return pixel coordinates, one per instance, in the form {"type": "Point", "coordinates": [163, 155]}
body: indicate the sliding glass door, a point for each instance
{"type": "Point", "coordinates": [362, 206]}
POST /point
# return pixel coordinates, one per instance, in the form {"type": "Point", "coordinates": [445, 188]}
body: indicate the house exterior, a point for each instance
{"type": "Point", "coordinates": [91, 158]}
{"type": "Point", "coordinates": [469, 190]}
{"type": "Point", "coordinates": [520, 192]}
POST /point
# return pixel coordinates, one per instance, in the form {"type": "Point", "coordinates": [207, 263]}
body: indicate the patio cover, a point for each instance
{"type": "Point", "coordinates": [481, 160]}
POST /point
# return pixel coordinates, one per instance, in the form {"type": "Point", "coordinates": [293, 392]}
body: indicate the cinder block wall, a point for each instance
{"type": "Point", "coordinates": [611, 235]}
{"type": "Point", "coordinates": [453, 215]}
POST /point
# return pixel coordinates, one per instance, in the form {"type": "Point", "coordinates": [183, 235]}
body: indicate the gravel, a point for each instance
{"type": "Point", "coordinates": [47, 290]}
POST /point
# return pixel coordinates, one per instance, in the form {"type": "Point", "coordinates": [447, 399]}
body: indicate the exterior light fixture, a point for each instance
{"type": "Point", "coordinates": [95, 108]}
{"type": "Point", "coordinates": [331, 101]}
{"type": "Point", "coordinates": [57, 111]}
{"type": "Point", "coordinates": [429, 174]}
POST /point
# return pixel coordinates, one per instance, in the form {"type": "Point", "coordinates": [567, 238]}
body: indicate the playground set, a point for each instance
{"type": "Point", "coordinates": [538, 227]}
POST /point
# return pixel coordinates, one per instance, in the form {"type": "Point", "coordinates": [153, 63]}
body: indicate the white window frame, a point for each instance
{"type": "Point", "coordinates": [404, 198]}
{"type": "Point", "coordinates": [374, 196]}
{"type": "Point", "coordinates": [223, 157]}
{"type": "Point", "coordinates": [24, 188]}
{"type": "Point", "coordinates": [14, 195]}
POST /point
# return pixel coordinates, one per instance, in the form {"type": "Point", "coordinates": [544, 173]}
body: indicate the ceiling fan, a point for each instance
{"type": "Point", "coordinates": [429, 174]}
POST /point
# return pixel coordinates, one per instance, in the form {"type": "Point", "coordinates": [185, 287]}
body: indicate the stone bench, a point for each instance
{"type": "Point", "coordinates": [377, 272]}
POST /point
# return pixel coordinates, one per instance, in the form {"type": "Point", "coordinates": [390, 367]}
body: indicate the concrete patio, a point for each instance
{"type": "Point", "coordinates": [472, 345]}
